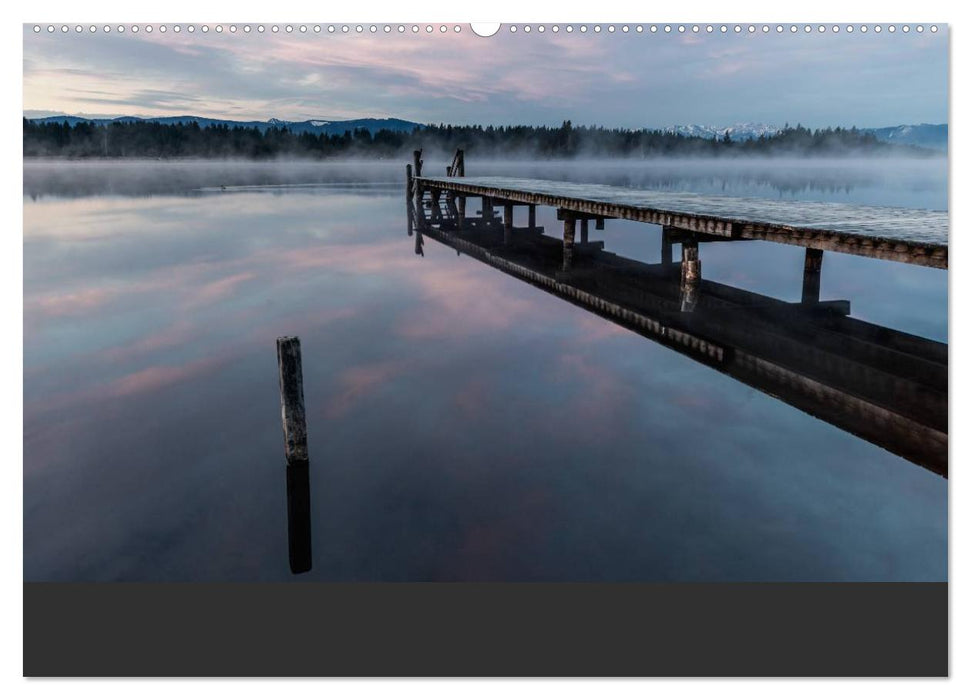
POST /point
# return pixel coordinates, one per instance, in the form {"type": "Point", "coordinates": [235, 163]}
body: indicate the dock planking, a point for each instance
{"type": "Point", "coordinates": [914, 236]}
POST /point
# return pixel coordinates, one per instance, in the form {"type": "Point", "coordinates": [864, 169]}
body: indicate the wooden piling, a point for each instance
{"type": "Point", "coordinates": [600, 224]}
{"type": "Point", "coordinates": [667, 253]}
{"type": "Point", "coordinates": [507, 224]}
{"type": "Point", "coordinates": [417, 161]}
{"type": "Point", "coordinates": [584, 230]}
{"type": "Point", "coordinates": [811, 275]}
{"type": "Point", "coordinates": [409, 199]}
{"type": "Point", "coordinates": [298, 517]}
{"type": "Point", "coordinates": [436, 208]}
{"type": "Point", "coordinates": [295, 448]}
{"type": "Point", "coordinates": [532, 216]}
{"type": "Point", "coordinates": [487, 211]}
{"type": "Point", "coordinates": [291, 398]}
{"type": "Point", "coordinates": [569, 234]}
{"type": "Point", "coordinates": [690, 275]}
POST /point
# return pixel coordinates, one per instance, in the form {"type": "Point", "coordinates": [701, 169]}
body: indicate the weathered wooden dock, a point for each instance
{"type": "Point", "coordinates": [883, 385]}
{"type": "Point", "coordinates": [914, 236]}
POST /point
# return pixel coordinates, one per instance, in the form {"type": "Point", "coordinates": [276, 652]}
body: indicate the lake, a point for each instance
{"type": "Point", "coordinates": [463, 425]}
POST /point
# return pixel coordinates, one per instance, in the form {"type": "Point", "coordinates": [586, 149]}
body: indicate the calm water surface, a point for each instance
{"type": "Point", "coordinates": [462, 425]}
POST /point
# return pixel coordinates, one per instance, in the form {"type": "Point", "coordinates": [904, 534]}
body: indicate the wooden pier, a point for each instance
{"type": "Point", "coordinates": [885, 386]}
{"type": "Point", "coordinates": [914, 236]}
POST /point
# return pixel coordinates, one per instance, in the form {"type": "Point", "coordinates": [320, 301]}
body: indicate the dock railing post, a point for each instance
{"type": "Point", "coordinates": [295, 448]}
{"type": "Point", "coordinates": [811, 274]}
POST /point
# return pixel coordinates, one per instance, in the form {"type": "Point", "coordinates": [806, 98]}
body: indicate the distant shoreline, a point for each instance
{"type": "Point", "coordinates": [923, 154]}
{"type": "Point", "coordinates": [150, 140]}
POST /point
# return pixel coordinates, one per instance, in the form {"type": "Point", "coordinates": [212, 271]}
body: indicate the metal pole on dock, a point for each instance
{"type": "Point", "coordinates": [295, 448]}
{"type": "Point", "coordinates": [811, 274]}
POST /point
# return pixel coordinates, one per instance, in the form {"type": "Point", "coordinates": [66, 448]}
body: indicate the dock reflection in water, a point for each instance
{"type": "Point", "coordinates": [882, 385]}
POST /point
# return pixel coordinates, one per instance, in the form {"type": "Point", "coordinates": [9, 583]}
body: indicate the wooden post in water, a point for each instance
{"type": "Point", "coordinates": [507, 224]}
{"type": "Point", "coordinates": [811, 274]}
{"type": "Point", "coordinates": [600, 224]}
{"type": "Point", "coordinates": [690, 274]}
{"type": "Point", "coordinates": [436, 210]}
{"type": "Point", "coordinates": [532, 217]}
{"type": "Point", "coordinates": [487, 212]}
{"type": "Point", "coordinates": [295, 448]}
{"type": "Point", "coordinates": [409, 199]}
{"type": "Point", "coordinates": [584, 230]}
{"type": "Point", "coordinates": [569, 233]}
{"type": "Point", "coordinates": [667, 257]}
{"type": "Point", "coordinates": [417, 192]}
{"type": "Point", "coordinates": [417, 162]}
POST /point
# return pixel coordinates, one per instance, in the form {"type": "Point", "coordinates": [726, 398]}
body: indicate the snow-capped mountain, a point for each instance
{"type": "Point", "coordinates": [738, 132]}
{"type": "Point", "coordinates": [926, 135]}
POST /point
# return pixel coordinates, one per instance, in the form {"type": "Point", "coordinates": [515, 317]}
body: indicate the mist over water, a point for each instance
{"type": "Point", "coordinates": [906, 182]}
{"type": "Point", "coordinates": [462, 425]}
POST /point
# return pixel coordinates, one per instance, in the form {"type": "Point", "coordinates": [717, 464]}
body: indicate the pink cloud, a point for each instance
{"type": "Point", "coordinates": [158, 377]}
{"type": "Point", "coordinates": [220, 289]}
{"type": "Point", "coordinates": [359, 382]}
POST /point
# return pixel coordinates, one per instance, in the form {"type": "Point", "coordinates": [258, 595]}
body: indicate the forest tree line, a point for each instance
{"type": "Point", "coordinates": [145, 139]}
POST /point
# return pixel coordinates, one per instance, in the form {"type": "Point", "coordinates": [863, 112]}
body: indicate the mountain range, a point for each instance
{"type": "Point", "coordinates": [926, 135]}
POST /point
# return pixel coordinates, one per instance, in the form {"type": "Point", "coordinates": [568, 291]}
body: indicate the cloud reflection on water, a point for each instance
{"type": "Point", "coordinates": [463, 425]}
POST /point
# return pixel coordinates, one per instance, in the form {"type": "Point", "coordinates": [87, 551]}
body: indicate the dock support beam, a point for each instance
{"type": "Point", "coordinates": [690, 275]}
{"type": "Point", "coordinates": [584, 230]}
{"type": "Point", "coordinates": [569, 234]}
{"type": "Point", "coordinates": [507, 224]}
{"type": "Point", "coordinates": [811, 273]}
{"type": "Point", "coordinates": [295, 449]}
{"type": "Point", "coordinates": [532, 216]}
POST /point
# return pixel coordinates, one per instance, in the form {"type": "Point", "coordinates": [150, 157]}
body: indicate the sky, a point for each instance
{"type": "Point", "coordinates": [631, 80]}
